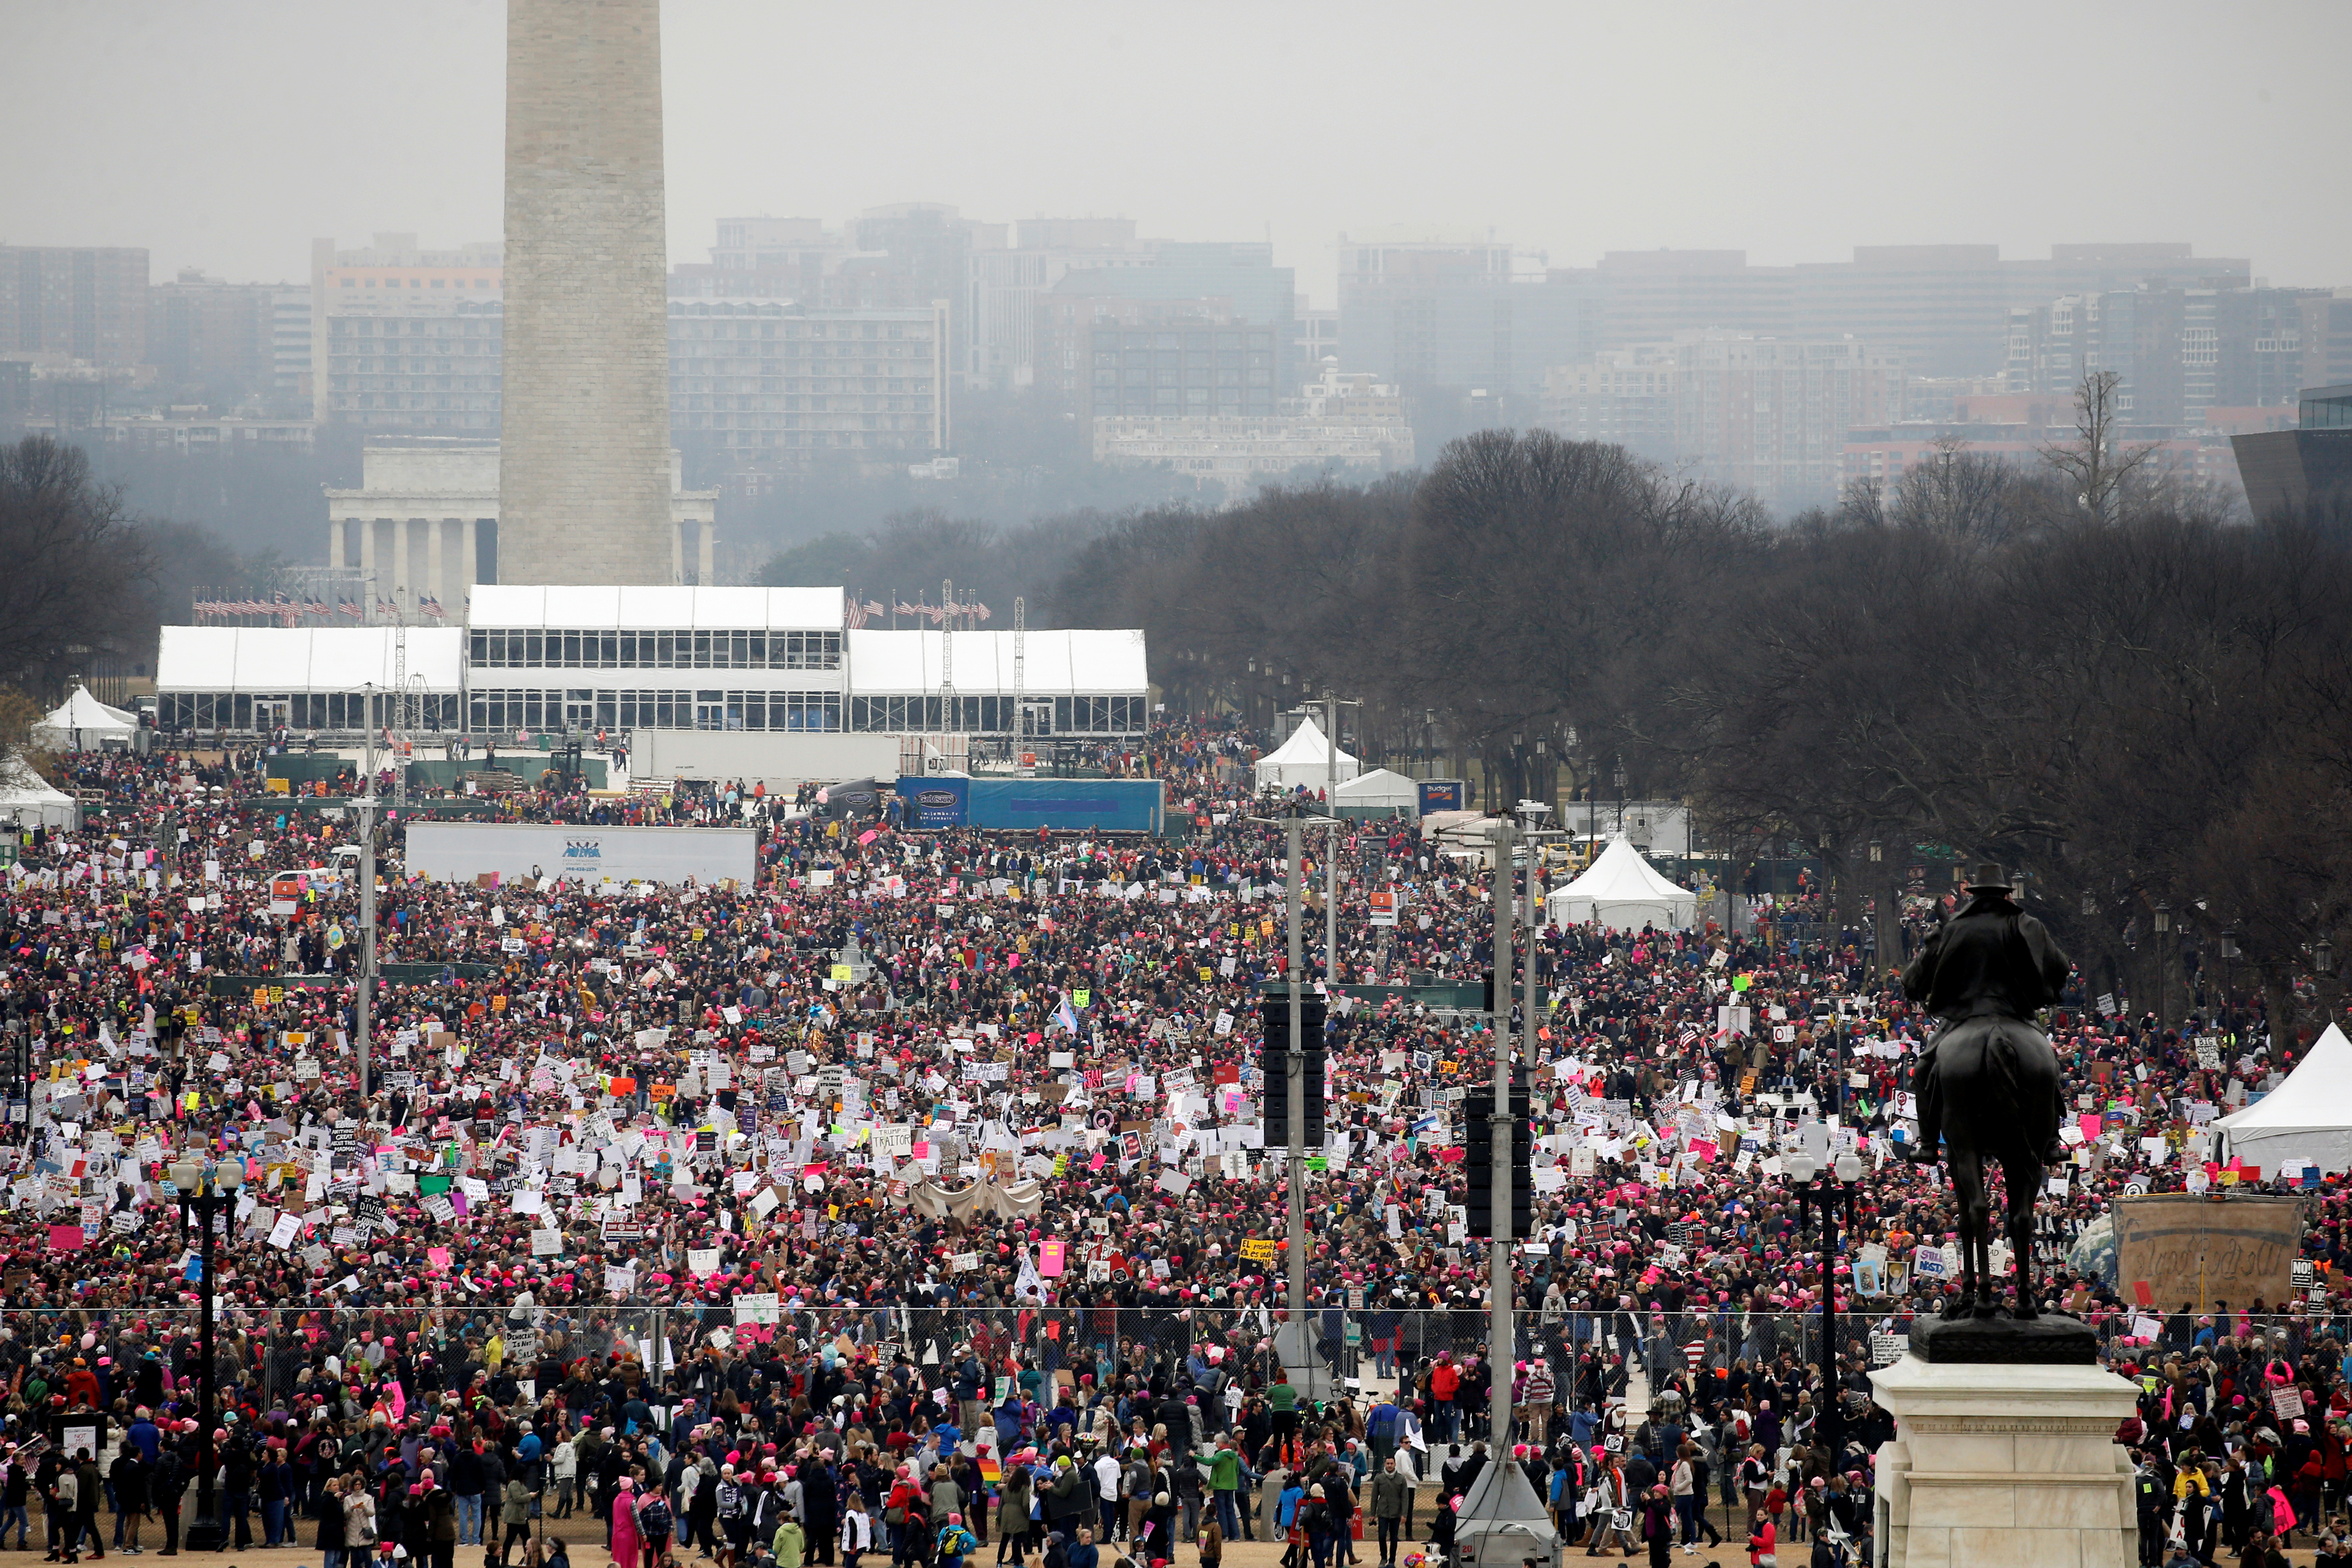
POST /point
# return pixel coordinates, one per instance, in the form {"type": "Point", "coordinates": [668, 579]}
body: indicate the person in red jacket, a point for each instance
{"type": "Point", "coordinates": [81, 1384]}
{"type": "Point", "coordinates": [1444, 1378]}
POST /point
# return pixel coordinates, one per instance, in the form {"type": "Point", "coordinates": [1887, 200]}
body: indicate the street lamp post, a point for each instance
{"type": "Point", "coordinates": [205, 1190]}
{"type": "Point", "coordinates": [1830, 1198]}
{"type": "Point", "coordinates": [2163, 926]}
{"type": "Point", "coordinates": [2229, 956]}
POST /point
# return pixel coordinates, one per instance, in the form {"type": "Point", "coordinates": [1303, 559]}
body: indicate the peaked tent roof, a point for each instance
{"type": "Point", "coordinates": [2309, 1117]}
{"type": "Point", "coordinates": [1620, 872]}
{"type": "Point", "coordinates": [1304, 759]}
{"type": "Point", "coordinates": [1622, 891]}
{"type": "Point", "coordinates": [86, 713]}
{"type": "Point", "coordinates": [26, 798]}
{"type": "Point", "coordinates": [1381, 784]}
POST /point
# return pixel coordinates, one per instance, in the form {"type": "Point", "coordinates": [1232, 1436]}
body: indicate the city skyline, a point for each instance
{"type": "Point", "coordinates": [1723, 148]}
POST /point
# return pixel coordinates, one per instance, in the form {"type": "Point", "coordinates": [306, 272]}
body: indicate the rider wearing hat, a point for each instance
{"type": "Point", "coordinates": [1989, 961]}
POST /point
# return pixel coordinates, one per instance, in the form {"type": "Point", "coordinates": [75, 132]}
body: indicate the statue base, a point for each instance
{"type": "Point", "coordinates": [2006, 1462]}
{"type": "Point", "coordinates": [2049, 1340]}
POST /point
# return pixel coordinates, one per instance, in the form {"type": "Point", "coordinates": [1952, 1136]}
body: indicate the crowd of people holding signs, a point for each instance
{"type": "Point", "coordinates": [918, 1193]}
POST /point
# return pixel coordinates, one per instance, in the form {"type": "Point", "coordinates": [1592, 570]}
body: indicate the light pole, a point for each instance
{"type": "Point", "coordinates": [205, 1190]}
{"type": "Point", "coordinates": [2163, 926]}
{"type": "Point", "coordinates": [1295, 1346]}
{"type": "Point", "coordinates": [2229, 956]}
{"type": "Point", "coordinates": [1831, 1198]}
{"type": "Point", "coordinates": [364, 1011]}
{"type": "Point", "coordinates": [1619, 779]}
{"type": "Point", "coordinates": [1500, 1519]}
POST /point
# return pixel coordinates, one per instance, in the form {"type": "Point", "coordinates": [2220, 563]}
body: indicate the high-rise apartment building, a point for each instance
{"type": "Point", "coordinates": [65, 303]}
{"type": "Point", "coordinates": [2180, 351]}
{"type": "Point", "coordinates": [1428, 313]}
{"type": "Point", "coordinates": [407, 339]}
{"type": "Point", "coordinates": [219, 337]}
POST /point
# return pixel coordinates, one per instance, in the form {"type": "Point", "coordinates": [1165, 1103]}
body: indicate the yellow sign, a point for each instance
{"type": "Point", "coordinates": [1258, 1249]}
{"type": "Point", "coordinates": [841, 974]}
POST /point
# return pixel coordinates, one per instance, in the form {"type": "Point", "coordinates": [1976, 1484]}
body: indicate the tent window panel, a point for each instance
{"type": "Point", "coordinates": [757, 651]}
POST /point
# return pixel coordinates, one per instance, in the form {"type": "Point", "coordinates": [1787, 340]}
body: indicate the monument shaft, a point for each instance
{"type": "Point", "coordinates": [584, 465]}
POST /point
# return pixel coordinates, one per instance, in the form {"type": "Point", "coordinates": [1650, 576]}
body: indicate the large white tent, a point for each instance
{"type": "Point", "coordinates": [1304, 759]}
{"type": "Point", "coordinates": [2308, 1118]}
{"type": "Point", "coordinates": [1376, 794]}
{"type": "Point", "coordinates": [28, 800]}
{"type": "Point", "coordinates": [1622, 891]}
{"type": "Point", "coordinates": [83, 723]}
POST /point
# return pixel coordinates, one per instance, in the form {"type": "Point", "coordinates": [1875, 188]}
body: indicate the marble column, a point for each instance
{"type": "Point", "coordinates": [433, 583]}
{"type": "Point", "coordinates": [706, 560]}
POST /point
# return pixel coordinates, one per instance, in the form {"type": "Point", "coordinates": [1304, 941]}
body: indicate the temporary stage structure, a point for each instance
{"type": "Point", "coordinates": [1622, 891]}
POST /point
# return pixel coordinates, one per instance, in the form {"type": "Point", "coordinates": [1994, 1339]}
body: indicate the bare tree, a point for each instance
{"type": "Point", "coordinates": [2093, 460]}
{"type": "Point", "coordinates": [73, 554]}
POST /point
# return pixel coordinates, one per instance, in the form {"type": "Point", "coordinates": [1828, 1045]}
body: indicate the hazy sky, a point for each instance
{"type": "Point", "coordinates": [226, 133]}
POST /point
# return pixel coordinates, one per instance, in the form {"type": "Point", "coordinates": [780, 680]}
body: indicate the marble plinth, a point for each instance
{"type": "Point", "coordinates": [2006, 1464]}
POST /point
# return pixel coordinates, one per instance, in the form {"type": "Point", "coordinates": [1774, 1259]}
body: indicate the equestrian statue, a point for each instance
{"type": "Point", "coordinates": [1988, 1084]}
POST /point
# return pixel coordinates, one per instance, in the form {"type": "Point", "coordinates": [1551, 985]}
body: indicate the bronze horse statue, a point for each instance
{"type": "Point", "coordinates": [1988, 1083]}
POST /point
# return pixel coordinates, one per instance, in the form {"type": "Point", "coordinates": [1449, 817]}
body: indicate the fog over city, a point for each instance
{"type": "Point", "coordinates": [226, 136]}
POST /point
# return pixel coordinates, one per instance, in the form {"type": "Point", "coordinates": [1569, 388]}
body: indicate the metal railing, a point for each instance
{"type": "Point", "coordinates": [270, 1353]}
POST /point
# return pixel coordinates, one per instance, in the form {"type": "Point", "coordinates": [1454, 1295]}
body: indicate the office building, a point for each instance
{"type": "Point", "coordinates": [1338, 423]}
{"type": "Point", "coordinates": [758, 380]}
{"type": "Point", "coordinates": [2285, 470]}
{"type": "Point", "coordinates": [1770, 415]}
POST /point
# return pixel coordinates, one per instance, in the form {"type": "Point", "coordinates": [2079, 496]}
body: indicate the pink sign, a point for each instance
{"type": "Point", "coordinates": [1049, 1257]}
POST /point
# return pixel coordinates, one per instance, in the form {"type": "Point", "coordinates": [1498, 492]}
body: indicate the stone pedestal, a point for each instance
{"type": "Point", "coordinates": [2014, 1465]}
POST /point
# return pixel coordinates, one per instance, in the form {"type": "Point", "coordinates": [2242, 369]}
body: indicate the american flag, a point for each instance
{"type": "Point", "coordinates": [874, 607]}
{"type": "Point", "coordinates": [431, 606]}
{"type": "Point", "coordinates": [350, 608]}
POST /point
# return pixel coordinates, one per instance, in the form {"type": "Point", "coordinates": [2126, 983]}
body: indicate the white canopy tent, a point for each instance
{"type": "Point", "coordinates": [83, 723]}
{"type": "Point", "coordinates": [1304, 759]}
{"type": "Point", "coordinates": [1376, 794]}
{"type": "Point", "coordinates": [1622, 891]}
{"type": "Point", "coordinates": [2308, 1118]}
{"type": "Point", "coordinates": [28, 800]}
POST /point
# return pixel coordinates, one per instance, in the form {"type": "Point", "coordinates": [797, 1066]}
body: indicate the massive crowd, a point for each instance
{"type": "Point", "coordinates": [919, 1189]}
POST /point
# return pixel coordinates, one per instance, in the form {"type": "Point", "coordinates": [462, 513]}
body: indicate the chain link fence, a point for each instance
{"type": "Point", "coordinates": [268, 1354]}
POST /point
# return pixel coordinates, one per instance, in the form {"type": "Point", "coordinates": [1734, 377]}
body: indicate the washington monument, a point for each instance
{"type": "Point", "coordinates": [583, 460]}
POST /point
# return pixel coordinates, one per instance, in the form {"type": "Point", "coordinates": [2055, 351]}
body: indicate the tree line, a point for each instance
{"type": "Point", "coordinates": [2082, 668]}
